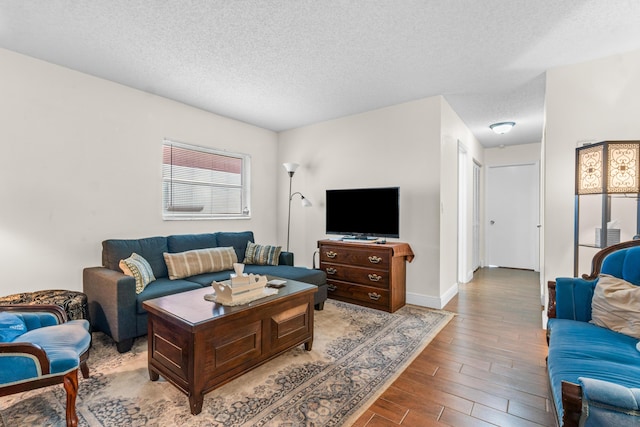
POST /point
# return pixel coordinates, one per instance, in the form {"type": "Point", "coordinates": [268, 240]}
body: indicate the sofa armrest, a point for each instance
{"type": "Point", "coordinates": [111, 296]}
{"type": "Point", "coordinates": [573, 298]}
{"type": "Point", "coordinates": [286, 258]}
{"type": "Point", "coordinates": [22, 356]}
{"type": "Point", "coordinates": [606, 403]}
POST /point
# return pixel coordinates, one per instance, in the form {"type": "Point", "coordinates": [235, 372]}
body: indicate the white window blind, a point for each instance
{"type": "Point", "coordinates": [203, 183]}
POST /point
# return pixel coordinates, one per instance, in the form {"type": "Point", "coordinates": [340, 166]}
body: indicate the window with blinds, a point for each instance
{"type": "Point", "coordinates": [203, 183]}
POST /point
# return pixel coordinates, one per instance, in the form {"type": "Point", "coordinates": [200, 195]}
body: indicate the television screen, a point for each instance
{"type": "Point", "coordinates": [364, 212]}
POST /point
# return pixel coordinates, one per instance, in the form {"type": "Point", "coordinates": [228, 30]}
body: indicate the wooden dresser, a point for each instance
{"type": "Point", "coordinates": [369, 274]}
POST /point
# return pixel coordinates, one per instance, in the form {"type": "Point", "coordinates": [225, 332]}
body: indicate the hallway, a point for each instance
{"type": "Point", "coordinates": [485, 368]}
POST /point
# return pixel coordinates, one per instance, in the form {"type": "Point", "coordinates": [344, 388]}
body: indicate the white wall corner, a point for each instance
{"type": "Point", "coordinates": [430, 301]}
{"type": "Point", "coordinates": [448, 296]}
{"type": "Point", "coordinates": [469, 277]}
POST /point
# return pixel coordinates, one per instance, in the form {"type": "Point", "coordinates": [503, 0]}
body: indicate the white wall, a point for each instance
{"type": "Point", "coordinates": [593, 101]}
{"type": "Point", "coordinates": [81, 162]}
{"type": "Point", "coordinates": [403, 146]}
{"type": "Point", "coordinates": [455, 133]}
{"type": "Point", "coordinates": [513, 155]}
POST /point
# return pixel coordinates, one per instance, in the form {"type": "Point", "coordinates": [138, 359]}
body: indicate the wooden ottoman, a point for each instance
{"type": "Point", "coordinates": [72, 302]}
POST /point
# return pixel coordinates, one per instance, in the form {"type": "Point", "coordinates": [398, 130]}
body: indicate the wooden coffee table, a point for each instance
{"type": "Point", "coordinates": [199, 345]}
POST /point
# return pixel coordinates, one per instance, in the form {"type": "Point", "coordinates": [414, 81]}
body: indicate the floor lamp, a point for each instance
{"type": "Point", "coordinates": [291, 169]}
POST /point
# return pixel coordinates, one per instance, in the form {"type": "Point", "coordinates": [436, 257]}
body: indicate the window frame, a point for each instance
{"type": "Point", "coordinates": [244, 186]}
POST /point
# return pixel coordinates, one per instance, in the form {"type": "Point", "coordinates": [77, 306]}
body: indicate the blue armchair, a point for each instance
{"type": "Point", "coordinates": [594, 372]}
{"type": "Point", "coordinates": [39, 348]}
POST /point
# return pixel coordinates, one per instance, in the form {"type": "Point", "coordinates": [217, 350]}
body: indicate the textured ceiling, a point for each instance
{"type": "Point", "coordinates": [284, 64]}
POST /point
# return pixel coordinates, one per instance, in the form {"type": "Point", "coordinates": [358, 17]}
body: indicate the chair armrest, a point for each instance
{"type": "Point", "coordinates": [26, 350]}
{"type": "Point", "coordinates": [38, 309]}
{"type": "Point", "coordinates": [111, 296]}
{"type": "Point", "coordinates": [607, 403]}
{"type": "Point", "coordinates": [286, 258]}
{"type": "Point", "coordinates": [573, 298]}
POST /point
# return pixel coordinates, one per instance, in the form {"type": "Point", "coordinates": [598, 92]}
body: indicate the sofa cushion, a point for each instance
{"type": "Point", "coordinates": [581, 349]}
{"type": "Point", "coordinates": [162, 287]}
{"type": "Point", "coordinates": [301, 274]}
{"type": "Point", "coordinates": [206, 278]}
{"type": "Point", "coordinates": [63, 343]}
{"type": "Point", "coordinates": [150, 248]}
{"type": "Point", "coordinates": [189, 242]}
{"type": "Point", "coordinates": [262, 254]}
{"type": "Point", "coordinates": [11, 326]}
{"type": "Point", "coordinates": [138, 268]}
{"type": "Point", "coordinates": [238, 240]}
{"type": "Point", "coordinates": [624, 264]}
{"type": "Point", "coordinates": [190, 263]}
{"type": "Point", "coordinates": [630, 270]}
{"type": "Point", "coordinates": [616, 305]}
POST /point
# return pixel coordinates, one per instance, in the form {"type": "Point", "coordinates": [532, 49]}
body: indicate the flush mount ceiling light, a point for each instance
{"type": "Point", "coordinates": [502, 127]}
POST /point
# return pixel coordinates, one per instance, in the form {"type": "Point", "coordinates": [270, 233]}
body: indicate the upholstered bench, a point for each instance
{"type": "Point", "coordinates": [72, 302]}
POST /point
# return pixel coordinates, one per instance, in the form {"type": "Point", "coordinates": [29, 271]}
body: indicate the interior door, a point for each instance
{"type": "Point", "coordinates": [512, 216]}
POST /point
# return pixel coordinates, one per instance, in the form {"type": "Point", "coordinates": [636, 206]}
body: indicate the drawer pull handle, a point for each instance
{"type": "Point", "coordinates": [374, 259]}
{"type": "Point", "coordinates": [331, 254]}
{"type": "Point", "coordinates": [331, 270]}
{"type": "Point", "coordinates": [331, 288]}
{"type": "Point", "coordinates": [374, 296]}
{"type": "Point", "coordinates": [375, 277]}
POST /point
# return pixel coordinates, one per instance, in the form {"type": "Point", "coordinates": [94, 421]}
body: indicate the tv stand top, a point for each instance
{"type": "Point", "coordinates": [359, 239]}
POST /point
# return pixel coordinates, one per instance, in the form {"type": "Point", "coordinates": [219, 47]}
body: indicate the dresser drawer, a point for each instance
{"type": "Point", "coordinates": [361, 275]}
{"type": "Point", "coordinates": [359, 294]}
{"type": "Point", "coordinates": [375, 257]}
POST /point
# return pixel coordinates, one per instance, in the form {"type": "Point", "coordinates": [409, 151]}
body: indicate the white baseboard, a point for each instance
{"type": "Point", "coordinates": [432, 302]}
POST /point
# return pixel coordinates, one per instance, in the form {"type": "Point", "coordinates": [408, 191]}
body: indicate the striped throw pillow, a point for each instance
{"type": "Point", "coordinates": [138, 267]}
{"type": "Point", "coordinates": [262, 254]}
{"type": "Point", "coordinates": [190, 263]}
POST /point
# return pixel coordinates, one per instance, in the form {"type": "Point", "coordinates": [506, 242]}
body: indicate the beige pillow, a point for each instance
{"type": "Point", "coordinates": [190, 263]}
{"type": "Point", "coordinates": [616, 305]}
{"type": "Point", "coordinates": [137, 267]}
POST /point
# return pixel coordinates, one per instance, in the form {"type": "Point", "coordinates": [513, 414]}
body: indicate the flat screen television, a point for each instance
{"type": "Point", "coordinates": [363, 213]}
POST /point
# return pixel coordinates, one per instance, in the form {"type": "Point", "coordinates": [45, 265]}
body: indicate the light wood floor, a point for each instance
{"type": "Point", "coordinates": [485, 368]}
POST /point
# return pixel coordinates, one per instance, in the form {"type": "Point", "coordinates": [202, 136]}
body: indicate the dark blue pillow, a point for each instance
{"type": "Point", "coordinates": [11, 327]}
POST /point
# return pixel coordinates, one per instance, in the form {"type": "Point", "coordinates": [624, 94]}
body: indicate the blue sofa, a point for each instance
{"type": "Point", "coordinates": [116, 309]}
{"type": "Point", "coordinates": [594, 372]}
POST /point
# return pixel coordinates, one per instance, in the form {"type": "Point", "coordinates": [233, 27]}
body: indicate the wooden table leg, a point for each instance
{"type": "Point", "coordinates": [153, 375]}
{"type": "Point", "coordinates": [195, 402]}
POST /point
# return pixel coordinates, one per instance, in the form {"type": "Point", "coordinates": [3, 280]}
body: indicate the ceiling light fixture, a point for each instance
{"type": "Point", "coordinates": [502, 127]}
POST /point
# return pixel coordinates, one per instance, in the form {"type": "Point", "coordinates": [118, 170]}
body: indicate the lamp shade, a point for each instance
{"type": "Point", "coordinates": [290, 167]}
{"type": "Point", "coordinates": [608, 167]}
{"type": "Point", "coordinates": [305, 202]}
{"type": "Point", "coordinates": [622, 162]}
{"type": "Point", "coordinates": [590, 169]}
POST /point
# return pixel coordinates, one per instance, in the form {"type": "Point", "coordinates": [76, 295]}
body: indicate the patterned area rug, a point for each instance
{"type": "Point", "coordinates": [357, 353]}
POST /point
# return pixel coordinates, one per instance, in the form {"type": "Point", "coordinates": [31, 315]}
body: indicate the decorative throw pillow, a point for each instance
{"type": "Point", "coordinates": [190, 263]}
{"type": "Point", "coordinates": [262, 254]}
{"type": "Point", "coordinates": [616, 305]}
{"type": "Point", "coordinates": [138, 267]}
{"type": "Point", "coordinates": [11, 327]}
